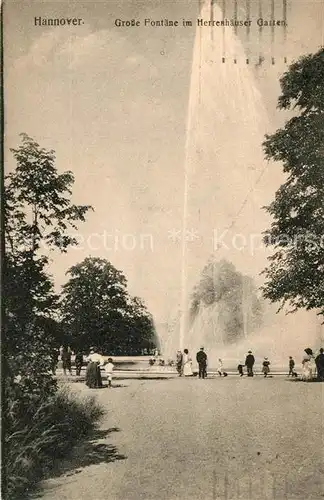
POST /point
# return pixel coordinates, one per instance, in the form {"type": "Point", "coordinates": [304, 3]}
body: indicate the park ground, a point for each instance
{"type": "Point", "coordinates": [214, 439]}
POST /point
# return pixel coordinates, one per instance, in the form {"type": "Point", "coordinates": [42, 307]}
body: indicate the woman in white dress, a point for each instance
{"type": "Point", "coordinates": [308, 365]}
{"type": "Point", "coordinates": [187, 363]}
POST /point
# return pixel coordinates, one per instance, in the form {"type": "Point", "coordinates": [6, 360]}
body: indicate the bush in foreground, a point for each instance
{"type": "Point", "coordinates": [57, 424]}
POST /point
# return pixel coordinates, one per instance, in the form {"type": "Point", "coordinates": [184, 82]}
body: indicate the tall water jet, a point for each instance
{"type": "Point", "coordinates": [223, 101]}
{"type": "Point", "coordinates": [226, 179]}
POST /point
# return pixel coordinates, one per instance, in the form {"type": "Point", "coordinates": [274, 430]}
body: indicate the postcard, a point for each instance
{"type": "Point", "coordinates": [164, 244]}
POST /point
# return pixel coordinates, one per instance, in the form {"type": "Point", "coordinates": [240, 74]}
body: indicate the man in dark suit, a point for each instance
{"type": "Point", "coordinates": [78, 362]}
{"type": "Point", "coordinates": [319, 360]}
{"type": "Point", "coordinates": [201, 358]}
{"type": "Point", "coordinates": [249, 363]}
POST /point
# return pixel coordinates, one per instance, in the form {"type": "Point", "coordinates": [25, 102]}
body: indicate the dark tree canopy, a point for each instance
{"type": "Point", "coordinates": [97, 310]}
{"type": "Point", "coordinates": [38, 207]}
{"type": "Point", "coordinates": [295, 274]}
{"type": "Point", "coordinates": [37, 215]}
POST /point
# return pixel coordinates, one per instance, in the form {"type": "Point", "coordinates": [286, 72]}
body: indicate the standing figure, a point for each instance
{"type": "Point", "coordinates": [201, 358]}
{"type": "Point", "coordinates": [66, 360]}
{"type": "Point", "coordinates": [186, 363]}
{"type": "Point", "coordinates": [307, 363]}
{"type": "Point", "coordinates": [179, 363]}
{"type": "Point", "coordinates": [266, 367]}
{"type": "Point", "coordinates": [220, 367]}
{"type": "Point", "coordinates": [249, 363]}
{"type": "Point", "coordinates": [109, 367]}
{"type": "Point", "coordinates": [291, 367]}
{"type": "Point", "coordinates": [54, 360]}
{"type": "Point", "coordinates": [240, 370]}
{"type": "Point", "coordinates": [78, 362]}
{"type": "Point", "coordinates": [95, 356]}
{"type": "Point", "coordinates": [93, 375]}
{"type": "Point", "coordinates": [319, 360]}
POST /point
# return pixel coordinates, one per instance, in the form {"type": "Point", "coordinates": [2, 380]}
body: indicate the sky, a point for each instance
{"type": "Point", "coordinates": [114, 102]}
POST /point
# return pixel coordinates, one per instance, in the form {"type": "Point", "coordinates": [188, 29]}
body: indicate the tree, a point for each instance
{"type": "Point", "coordinates": [234, 294]}
{"type": "Point", "coordinates": [295, 275]}
{"type": "Point", "coordinates": [98, 311]}
{"type": "Point", "coordinates": [38, 209]}
{"type": "Point", "coordinates": [38, 214]}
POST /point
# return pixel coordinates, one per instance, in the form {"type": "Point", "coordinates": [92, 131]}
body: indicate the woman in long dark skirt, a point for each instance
{"type": "Point", "coordinates": [93, 375]}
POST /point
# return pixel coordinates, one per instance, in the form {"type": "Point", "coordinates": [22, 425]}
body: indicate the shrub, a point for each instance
{"type": "Point", "coordinates": [31, 448]}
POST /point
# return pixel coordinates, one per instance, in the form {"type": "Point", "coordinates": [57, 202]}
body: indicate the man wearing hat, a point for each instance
{"type": "Point", "coordinates": [201, 358]}
{"type": "Point", "coordinates": [319, 360]}
{"type": "Point", "coordinates": [249, 363]}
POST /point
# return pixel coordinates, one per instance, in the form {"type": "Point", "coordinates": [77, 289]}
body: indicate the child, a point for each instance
{"type": "Point", "coordinates": [240, 370]}
{"type": "Point", "coordinates": [220, 370]}
{"type": "Point", "coordinates": [220, 367]}
{"type": "Point", "coordinates": [266, 367]}
{"type": "Point", "coordinates": [291, 366]}
{"type": "Point", "coordinates": [109, 367]}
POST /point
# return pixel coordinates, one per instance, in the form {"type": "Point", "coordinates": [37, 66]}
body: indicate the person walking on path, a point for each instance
{"type": "Point", "coordinates": [66, 360]}
{"type": "Point", "coordinates": [220, 367]}
{"type": "Point", "coordinates": [240, 369]}
{"type": "Point", "coordinates": [78, 362]}
{"type": "Point", "coordinates": [291, 366]}
{"type": "Point", "coordinates": [95, 356]}
{"type": "Point", "coordinates": [109, 368]}
{"type": "Point", "coordinates": [179, 361]}
{"type": "Point", "coordinates": [93, 373]}
{"type": "Point", "coordinates": [249, 363]}
{"type": "Point", "coordinates": [266, 367]}
{"type": "Point", "coordinates": [201, 358]}
{"type": "Point", "coordinates": [319, 360]}
{"type": "Point", "coordinates": [54, 360]}
{"type": "Point", "coordinates": [308, 363]}
{"type": "Point", "coordinates": [186, 363]}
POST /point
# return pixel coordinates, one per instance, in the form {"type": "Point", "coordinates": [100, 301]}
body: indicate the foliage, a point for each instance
{"type": "Point", "coordinates": [234, 294]}
{"type": "Point", "coordinates": [38, 201]}
{"type": "Point", "coordinates": [295, 275]}
{"type": "Point", "coordinates": [47, 432]}
{"type": "Point", "coordinates": [98, 311]}
{"type": "Point", "coordinates": [37, 215]}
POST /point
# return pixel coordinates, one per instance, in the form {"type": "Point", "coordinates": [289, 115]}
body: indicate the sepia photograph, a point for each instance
{"type": "Point", "coordinates": [163, 250]}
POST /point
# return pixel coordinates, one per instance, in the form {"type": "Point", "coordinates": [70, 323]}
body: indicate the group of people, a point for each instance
{"type": "Point", "coordinates": [66, 358]}
{"type": "Point", "coordinates": [93, 371]}
{"type": "Point", "coordinates": [249, 364]}
{"type": "Point", "coordinates": [95, 362]}
{"type": "Point", "coordinates": [184, 364]}
{"type": "Point", "coordinates": [311, 365]}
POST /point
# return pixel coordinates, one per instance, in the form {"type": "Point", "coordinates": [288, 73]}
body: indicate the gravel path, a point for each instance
{"type": "Point", "coordinates": [217, 439]}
